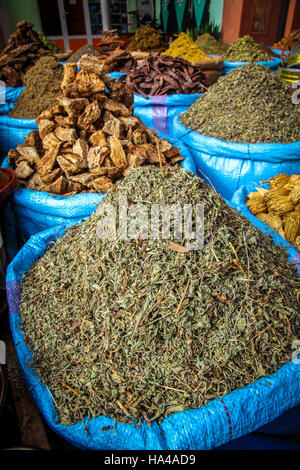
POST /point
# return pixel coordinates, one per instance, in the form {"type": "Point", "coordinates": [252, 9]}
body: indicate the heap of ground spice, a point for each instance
{"type": "Point", "coordinates": [184, 48]}
{"type": "Point", "coordinates": [42, 85]}
{"type": "Point", "coordinates": [245, 49]}
{"type": "Point", "coordinates": [208, 44]}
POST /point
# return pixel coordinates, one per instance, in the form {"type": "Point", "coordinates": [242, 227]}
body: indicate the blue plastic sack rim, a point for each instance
{"type": "Point", "coordinates": [267, 63]}
{"type": "Point", "coordinates": [270, 152]}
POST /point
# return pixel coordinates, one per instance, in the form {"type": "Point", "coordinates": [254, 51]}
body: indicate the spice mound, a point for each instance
{"type": "Point", "coordinates": [24, 48]}
{"type": "Point", "coordinates": [89, 139]}
{"type": "Point", "coordinates": [42, 86]}
{"type": "Point", "coordinates": [245, 49]}
{"type": "Point", "coordinates": [208, 44]}
{"type": "Point", "coordinates": [162, 75]}
{"type": "Point", "coordinates": [249, 105]}
{"type": "Point", "coordinates": [84, 50]}
{"type": "Point", "coordinates": [184, 48]}
{"type": "Point", "coordinates": [139, 328]}
{"type": "Point", "coordinates": [146, 39]}
{"type": "Point", "coordinates": [279, 207]}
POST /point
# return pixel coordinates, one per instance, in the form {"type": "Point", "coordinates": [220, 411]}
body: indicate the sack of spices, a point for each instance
{"type": "Point", "coordinates": [245, 128]}
{"type": "Point", "coordinates": [202, 335]}
{"type": "Point", "coordinates": [245, 50]}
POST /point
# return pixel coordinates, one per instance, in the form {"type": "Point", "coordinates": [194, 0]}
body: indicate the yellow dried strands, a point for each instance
{"type": "Point", "coordinates": [186, 49]}
{"type": "Point", "coordinates": [279, 207]}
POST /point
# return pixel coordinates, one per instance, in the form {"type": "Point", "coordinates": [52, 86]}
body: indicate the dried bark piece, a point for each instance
{"type": "Point", "coordinates": [73, 188]}
{"type": "Point", "coordinates": [96, 156]}
{"type": "Point", "coordinates": [70, 72]}
{"type": "Point", "coordinates": [47, 162]}
{"type": "Point", "coordinates": [164, 145]}
{"type": "Point", "coordinates": [50, 141]}
{"type": "Point", "coordinates": [130, 121]}
{"type": "Point", "coordinates": [117, 153]}
{"type": "Point", "coordinates": [30, 154]}
{"type": "Point", "coordinates": [65, 134]}
{"type": "Point", "coordinates": [33, 140]}
{"type": "Point", "coordinates": [45, 127]}
{"type": "Point", "coordinates": [58, 186]}
{"type": "Point", "coordinates": [47, 114]}
{"type": "Point", "coordinates": [116, 107]}
{"type": "Point", "coordinates": [98, 139]}
{"type": "Point", "coordinates": [82, 178]}
{"type": "Point", "coordinates": [65, 121]}
{"type": "Point", "coordinates": [112, 125]}
{"type": "Point", "coordinates": [91, 113]}
{"type": "Point", "coordinates": [23, 170]}
{"type": "Point", "coordinates": [91, 64]}
{"type": "Point", "coordinates": [101, 184]}
{"type": "Point", "coordinates": [81, 148]}
{"type": "Point", "coordinates": [49, 178]}
{"type": "Point", "coordinates": [73, 106]}
{"type": "Point", "coordinates": [139, 137]}
{"type": "Point", "coordinates": [66, 165]}
{"type": "Point", "coordinates": [136, 160]}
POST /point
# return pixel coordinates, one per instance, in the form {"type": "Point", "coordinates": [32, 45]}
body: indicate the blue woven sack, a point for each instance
{"type": "Point", "coordinates": [158, 112]}
{"type": "Point", "coordinates": [229, 165]}
{"type": "Point", "coordinates": [223, 419]}
{"type": "Point", "coordinates": [272, 64]}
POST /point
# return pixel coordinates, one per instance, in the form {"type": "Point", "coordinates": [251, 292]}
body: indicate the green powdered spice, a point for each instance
{"type": "Point", "coordinates": [142, 328]}
{"type": "Point", "coordinates": [89, 50]}
{"type": "Point", "coordinates": [208, 44]}
{"type": "Point", "coordinates": [245, 50]}
{"type": "Point", "coordinates": [42, 86]}
{"type": "Point", "coordinates": [249, 105]}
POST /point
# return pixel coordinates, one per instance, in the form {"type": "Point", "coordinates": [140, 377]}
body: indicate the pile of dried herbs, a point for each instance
{"type": "Point", "coordinates": [89, 139]}
{"type": "Point", "coordinates": [208, 44]}
{"type": "Point", "coordinates": [249, 105]}
{"type": "Point", "coordinates": [146, 39]}
{"type": "Point", "coordinates": [245, 49]}
{"type": "Point", "coordinates": [142, 328]}
{"type": "Point", "coordinates": [42, 86]}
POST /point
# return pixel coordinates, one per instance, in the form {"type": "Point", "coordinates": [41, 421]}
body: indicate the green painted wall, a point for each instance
{"type": "Point", "coordinates": [216, 12]}
{"type": "Point", "coordinates": [23, 10]}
